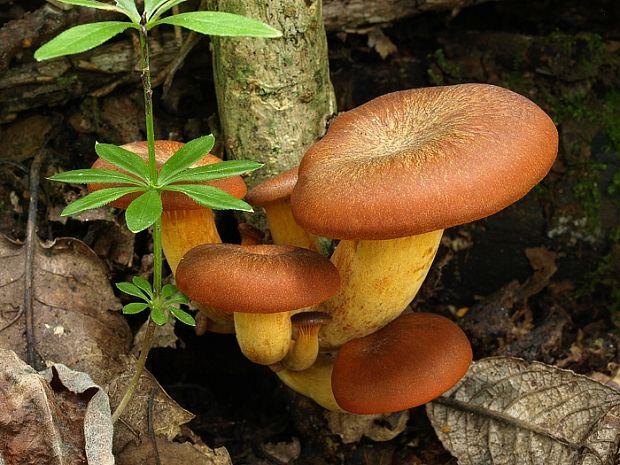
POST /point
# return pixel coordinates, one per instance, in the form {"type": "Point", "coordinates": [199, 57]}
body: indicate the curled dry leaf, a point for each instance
{"type": "Point", "coordinates": [57, 417]}
{"type": "Point", "coordinates": [173, 453]}
{"type": "Point", "coordinates": [72, 303]}
{"type": "Point", "coordinates": [508, 411]}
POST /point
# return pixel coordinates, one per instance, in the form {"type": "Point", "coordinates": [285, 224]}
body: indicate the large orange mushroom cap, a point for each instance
{"type": "Point", "coordinates": [409, 362]}
{"type": "Point", "coordinates": [422, 160]}
{"type": "Point", "coordinates": [274, 189]}
{"type": "Point", "coordinates": [256, 278]}
{"type": "Point", "coordinates": [164, 149]}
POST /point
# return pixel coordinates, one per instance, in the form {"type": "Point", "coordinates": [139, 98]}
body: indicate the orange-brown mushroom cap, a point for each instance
{"type": "Point", "coordinates": [164, 149]}
{"type": "Point", "coordinates": [421, 160]}
{"type": "Point", "coordinates": [257, 278]}
{"type": "Point", "coordinates": [273, 189]}
{"type": "Point", "coordinates": [409, 362]}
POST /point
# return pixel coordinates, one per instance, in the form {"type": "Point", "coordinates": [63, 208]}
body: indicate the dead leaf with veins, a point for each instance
{"type": "Point", "coordinates": [57, 417]}
{"type": "Point", "coordinates": [73, 307]}
{"type": "Point", "coordinates": [507, 410]}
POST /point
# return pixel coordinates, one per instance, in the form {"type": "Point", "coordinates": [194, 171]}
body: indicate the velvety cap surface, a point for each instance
{"type": "Point", "coordinates": [409, 362]}
{"type": "Point", "coordinates": [164, 149]}
{"type": "Point", "coordinates": [420, 160]}
{"type": "Point", "coordinates": [276, 188]}
{"type": "Point", "coordinates": [257, 278]}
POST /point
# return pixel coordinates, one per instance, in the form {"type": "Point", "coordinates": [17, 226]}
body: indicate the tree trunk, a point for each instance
{"type": "Point", "coordinates": [274, 95]}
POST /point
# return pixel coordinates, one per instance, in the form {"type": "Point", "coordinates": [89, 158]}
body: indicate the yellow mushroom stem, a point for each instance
{"type": "Point", "coordinates": [284, 229]}
{"type": "Point", "coordinates": [264, 338]}
{"type": "Point", "coordinates": [182, 230]}
{"type": "Point", "coordinates": [378, 279]}
{"type": "Point", "coordinates": [315, 382]}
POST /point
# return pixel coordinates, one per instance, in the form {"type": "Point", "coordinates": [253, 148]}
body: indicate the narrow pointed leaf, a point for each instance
{"type": "Point", "coordinates": [164, 8]}
{"type": "Point", "coordinates": [80, 38]}
{"type": "Point", "coordinates": [99, 176]}
{"type": "Point", "coordinates": [219, 23]}
{"type": "Point", "coordinates": [143, 211]}
{"type": "Point", "coordinates": [132, 289]}
{"type": "Point", "coordinates": [186, 156]}
{"type": "Point", "coordinates": [97, 199]}
{"type": "Point", "coordinates": [215, 171]}
{"type": "Point", "coordinates": [177, 299]}
{"type": "Point", "coordinates": [133, 308]}
{"type": "Point", "coordinates": [182, 316]}
{"type": "Point", "coordinates": [210, 197]}
{"type": "Point", "coordinates": [159, 317]}
{"type": "Point", "coordinates": [129, 7]}
{"type": "Point", "coordinates": [143, 284]}
{"type": "Point", "coordinates": [151, 6]}
{"type": "Point", "coordinates": [92, 4]}
{"type": "Point", "coordinates": [124, 159]}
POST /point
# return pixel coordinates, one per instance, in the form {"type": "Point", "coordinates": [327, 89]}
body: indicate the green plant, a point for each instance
{"type": "Point", "coordinates": [143, 177]}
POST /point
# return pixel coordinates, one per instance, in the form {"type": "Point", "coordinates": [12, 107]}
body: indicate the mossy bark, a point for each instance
{"type": "Point", "coordinates": [274, 95]}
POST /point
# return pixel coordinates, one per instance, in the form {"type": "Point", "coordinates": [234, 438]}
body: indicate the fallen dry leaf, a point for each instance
{"type": "Point", "coordinates": [378, 427]}
{"type": "Point", "coordinates": [58, 417]}
{"type": "Point", "coordinates": [509, 411]}
{"type": "Point", "coordinates": [72, 303]}
{"type": "Point", "coordinates": [173, 453]}
{"type": "Point", "coordinates": [167, 415]}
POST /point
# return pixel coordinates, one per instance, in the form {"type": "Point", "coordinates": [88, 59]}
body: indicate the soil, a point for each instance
{"type": "Point", "coordinates": [539, 280]}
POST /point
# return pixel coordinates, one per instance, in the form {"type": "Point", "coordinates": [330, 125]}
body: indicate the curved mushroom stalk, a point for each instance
{"type": "Point", "coordinates": [315, 382]}
{"type": "Point", "coordinates": [182, 230]}
{"type": "Point", "coordinates": [274, 195]}
{"type": "Point", "coordinates": [264, 338]}
{"type": "Point", "coordinates": [284, 229]}
{"type": "Point", "coordinates": [378, 280]}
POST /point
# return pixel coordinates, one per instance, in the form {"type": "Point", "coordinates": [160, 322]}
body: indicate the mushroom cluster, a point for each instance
{"type": "Point", "coordinates": [385, 181]}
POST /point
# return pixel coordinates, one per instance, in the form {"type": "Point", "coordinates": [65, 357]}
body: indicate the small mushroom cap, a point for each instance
{"type": "Point", "coordinates": [310, 318]}
{"type": "Point", "coordinates": [276, 188]}
{"type": "Point", "coordinates": [422, 160]}
{"type": "Point", "coordinates": [409, 362]}
{"type": "Point", "coordinates": [164, 149]}
{"type": "Point", "coordinates": [256, 278]}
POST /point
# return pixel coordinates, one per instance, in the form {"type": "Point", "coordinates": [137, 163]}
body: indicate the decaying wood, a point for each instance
{"type": "Point", "coordinates": [96, 72]}
{"type": "Point", "coordinates": [30, 85]}
{"type": "Point", "coordinates": [342, 15]}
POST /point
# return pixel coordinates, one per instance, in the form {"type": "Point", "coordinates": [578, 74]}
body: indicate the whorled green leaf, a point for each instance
{"type": "Point", "coordinates": [133, 308]}
{"type": "Point", "coordinates": [168, 290]}
{"type": "Point", "coordinates": [159, 316]}
{"type": "Point", "coordinates": [177, 299]}
{"type": "Point", "coordinates": [182, 316]}
{"type": "Point", "coordinates": [92, 4]}
{"type": "Point", "coordinates": [98, 198]}
{"type": "Point", "coordinates": [132, 289]}
{"type": "Point", "coordinates": [81, 38]}
{"type": "Point", "coordinates": [186, 156]}
{"type": "Point", "coordinates": [129, 7]}
{"type": "Point", "coordinates": [164, 8]}
{"type": "Point", "coordinates": [124, 159]}
{"type": "Point", "coordinates": [210, 197]}
{"type": "Point", "coordinates": [144, 211]}
{"type": "Point", "coordinates": [219, 23]}
{"type": "Point", "coordinates": [143, 284]}
{"type": "Point", "coordinates": [214, 171]}
{"type": "Point", "coordinates": [96, 176]}
{"type": "Point", "coordinates": [151, 7]}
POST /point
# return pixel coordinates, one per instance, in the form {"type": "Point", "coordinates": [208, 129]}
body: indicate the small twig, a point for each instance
{"type": "Point", "coordinates": [151, 428]}
{"type": "Point", "coordinates": [31, 228]}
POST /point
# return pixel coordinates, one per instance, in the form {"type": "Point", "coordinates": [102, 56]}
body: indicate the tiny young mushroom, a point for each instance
{"type": "Point", "coordinates": [274, 196]}
{"type": "Point", "coordinates": [185, 224]}
{"type": "Point", "coordinates": [261, 284]}
{"type": "Point", "coordinates": [410, 361]}
{"type": "Point", "coordinates": [390, 175]}
{"type": "Point", "coordinates": [305, 347]}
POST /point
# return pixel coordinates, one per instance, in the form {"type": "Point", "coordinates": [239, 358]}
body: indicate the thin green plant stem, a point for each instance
{"type": "Point", "coordinates": [157, 239]}
{"type": "Point", "coordinates": [139, 368]}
